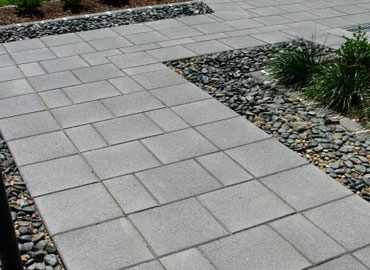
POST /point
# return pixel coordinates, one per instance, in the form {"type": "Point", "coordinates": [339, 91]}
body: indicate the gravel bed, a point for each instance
{"type": "Point", "coordinates": [37, 249]}
{"type": "Point", "coordinates": [313, 132]}
{"type": "Point", "coordinates": [57, 27]}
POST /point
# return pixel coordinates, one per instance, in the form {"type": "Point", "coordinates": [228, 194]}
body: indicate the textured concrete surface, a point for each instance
{"type": "Point", "coordinates": [132, 167]}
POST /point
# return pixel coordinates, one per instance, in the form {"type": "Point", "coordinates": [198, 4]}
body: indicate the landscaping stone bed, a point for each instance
{"type": "Point", "coordinates": [302, 125]}
{"type": "Point", "coordinates": [37, 249]}
{"type": "Point", "coordinates": [141, 15]}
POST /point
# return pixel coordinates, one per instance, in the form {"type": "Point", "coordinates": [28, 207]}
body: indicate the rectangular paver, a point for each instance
{"type": "Point", "coordinates": [127, 128]}
{"type": "Point", "coordinates": [224, 168]}
{"type": "Point", "coordinates": [27, 125]}
{"type": "Point", "coordinates": [120, 159]}
{"type": "Point", "coordinates": [126, 85]}
{"type": "Point", "coordinates": [177, 226]}
{"type": "Point", "coordinates": [259, 249]}
{"type": "Point", "coordinates": [41, 147]}
{"type": "Point", "coordinates": [56, 208]}
{"type": "Point", "coordinates": [132, 59]}
{"type": "Point", "coordinates": [339, 218]}
{"type": "Point", "coordinates": [15, 88]}
{"type": "Point", "coordinates": [55, 98]}
{"type": "Point", "coordinates": [179, 94]}
{"type": "Point", "coordinates": [171, 53]}
{"type": "Point", "coordinates": [232, 132]}
{"type": "Point", "coordinates": [292, 187]}
{"type": "Point", "coordinates": [32, 69]}
{"type": "Point", "coordinates": [245, 205]}
{"type": "Point", "coordinates": [167, 120]}
{"type": "Point", "coordinates": [342, 263]}
{"type": "Point", "coordinates": [265, 157]}
{"type": "Point", "coordinates": [132, 103]}
{"type": "Point", "coordinates": [97, 73]}
{"type": "Point", "coordinates": [86, 138]}
{"type": "Point", "coordinates": [307, 238]}
{"type": "Point", "coordinates": [20, 105]}
{"type": "Point", "coordinates": [24, 45]}
{"type": "Point", "coordinates": [149, 37]}
{"type": "Point", "coordinates": [33, 56]}
{"type": "Point", "coordinates": [125, 248]}
{"type": "Point", "coordinates": [188, 259]}
{"type": "Point", "coordinates": [206, 47]}
{"type": "Point", "coordinates": [53, 81]}
{"type": "Point", "coordinates": [178, 145]}
{"type": "Point", "coordinates": [159, 78]}
{"type": "Point", "coordinates": [58, 174]}
{"type": "Point", "coordinates": [81, 114]}
{"type": "Point", "coordinates": [204, 111]}
{"type": "Point", "coordinates": [164, 182]}
{"type": "Point", "coordinates": [91, 91]}
{"type": "Point", "coordinates": [180, 32]}
{"type": "Point", "coordinates": [61, 64]}
{"type": "Point", "coordinates": [130, 193]}
{"type": "Point", "coordinates": [64, 39]}
{"type": "Point", "coordinates": [98, 58]}
{"type": "Point", "coordinates": [72, 49]}
{"type": "Point", "coordinates": [110, 43]}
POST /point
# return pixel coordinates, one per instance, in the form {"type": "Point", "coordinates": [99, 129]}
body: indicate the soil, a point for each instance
{"type": "Point", "coordinates": [53, 10]}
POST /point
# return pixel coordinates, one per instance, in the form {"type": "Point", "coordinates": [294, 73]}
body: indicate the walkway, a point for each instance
{"type": "Point", "coordinates": [133, 167]}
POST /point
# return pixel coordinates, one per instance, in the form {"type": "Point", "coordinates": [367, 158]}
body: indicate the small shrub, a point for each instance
{"type": "Point", "coordinates": [295, 66]}
{"type": "Point", "coordinates": [29, 6]}
{"type": "Point", "coordinates": [73, 5]}
{"type": "Point", "coordinates": [340, 87]}
{"type": "Point", "coordinates": [344, 83]}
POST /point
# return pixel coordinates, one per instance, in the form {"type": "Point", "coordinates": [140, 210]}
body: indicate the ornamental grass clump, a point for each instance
{"type": "Point", "coordinates": [340, 81]}
{"type": "Point", "coordinates": [73, 5]}
{"type": "Point", "coordinates": [344, 83]}
{"type": "Point", "coordinates": [296, 65]}
{"type": "Point", "coordinates": [29, 7]}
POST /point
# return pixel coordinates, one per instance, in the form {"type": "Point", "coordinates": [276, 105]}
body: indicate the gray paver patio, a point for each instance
{"type": "Point", "coordinates": [133, 167]}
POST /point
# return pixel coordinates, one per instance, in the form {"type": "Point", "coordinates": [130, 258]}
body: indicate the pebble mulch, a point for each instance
{"type": "Point", "coordinates": [37, 249]}
{"type": "Point", "coordinates": [57, 27]}
{"type": "Point", "coordinates": [297, 122]}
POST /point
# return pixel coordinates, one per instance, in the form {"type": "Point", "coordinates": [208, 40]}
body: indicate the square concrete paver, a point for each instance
{"type": "Point", "coordinates": [148, 266]}
{"type": "Point", "coordinates": [58, 174]}
{"type": "Point", "coordinates": [224, 168]}
{"type": "Point", "coordinates": [177, 226]}
{"type": "Point", "coordinates": [86, 138]}
{"type": "Point", "coordinates": [126, 85]}
{"type": "Point", "coordinates": [171, 53]}
{"type": "Point", "coordinates": [345, 220]}
{"type": "Point", "coordinates": [5, 61]}
{"type": "Point", "coordinates": [53, 81]}
{"type": "Point", "coordinates": [363, 255]}
{"type": "Point", "coordinates": [32, 69]}
{"type": "Point", "coordinates": [94, 199]}
{"type": "Point", "coordinates": [27, 125]}
{"type": "Point", "coordinates": [81, 114]}
{"type": "Point", "coordinates": [62, 64]}
{"type": "Point", "coordinates": [41, 147]}
{"type": "Point", "coordinates": [15, 88]}
{"type": "Point", "coordinates": [91, 91]}
{"type": "Point", "coordinates": [97, 73]}
{"type": "Point", "coordinates": [131, 195]}
{"type": "Point", "coordinates": [10, 73]}
{"type": "Point", "coordinates": [127, 128]}
{"type": "Point", "coordinates": [232, 132]}
{"type": "Point", "coordinates": [179, 94]}
{"type": "Point", "coordinates": [20, 105]}
{"type": "Point", "coordinates": [160, 78]}
{"type": "Point", "coordinates": [307, 238]}
{"type": "Point", "coordinates": [204, 111]}
{"type": "Point", "coordinates": [55, 98]}
{"type": "Point", "coordinates": [345, 262]}
{"type": "Point", "coordinates": [132, 59]}
{"type": "Point", "coordinates": [258, 249]}
{"type": "Point", "coordinates": [125, 246]}
{"type": "Point", "coordinates": [149, 37]}
{"type": "Point", "coordinates": [132, 103]}
{"type": "Point", "coordinates": [164, 182]}
{"type": "Point", "coordinates": [305, 187]}
{"type": "Point", "coordinates": [104, 44]}
{"type": "Point", "coordinates": [167, 120]}
{"type": "Point", "coordinates": [120, 159]}
{"type": "Point", "coordinates": [178, 145]}
{"type": "Point", "coordinates": [265, 157]}
{"type": "Point", "coordinates": [244, 205]}
{"type": "Point", "coordinates": [188, 259]}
